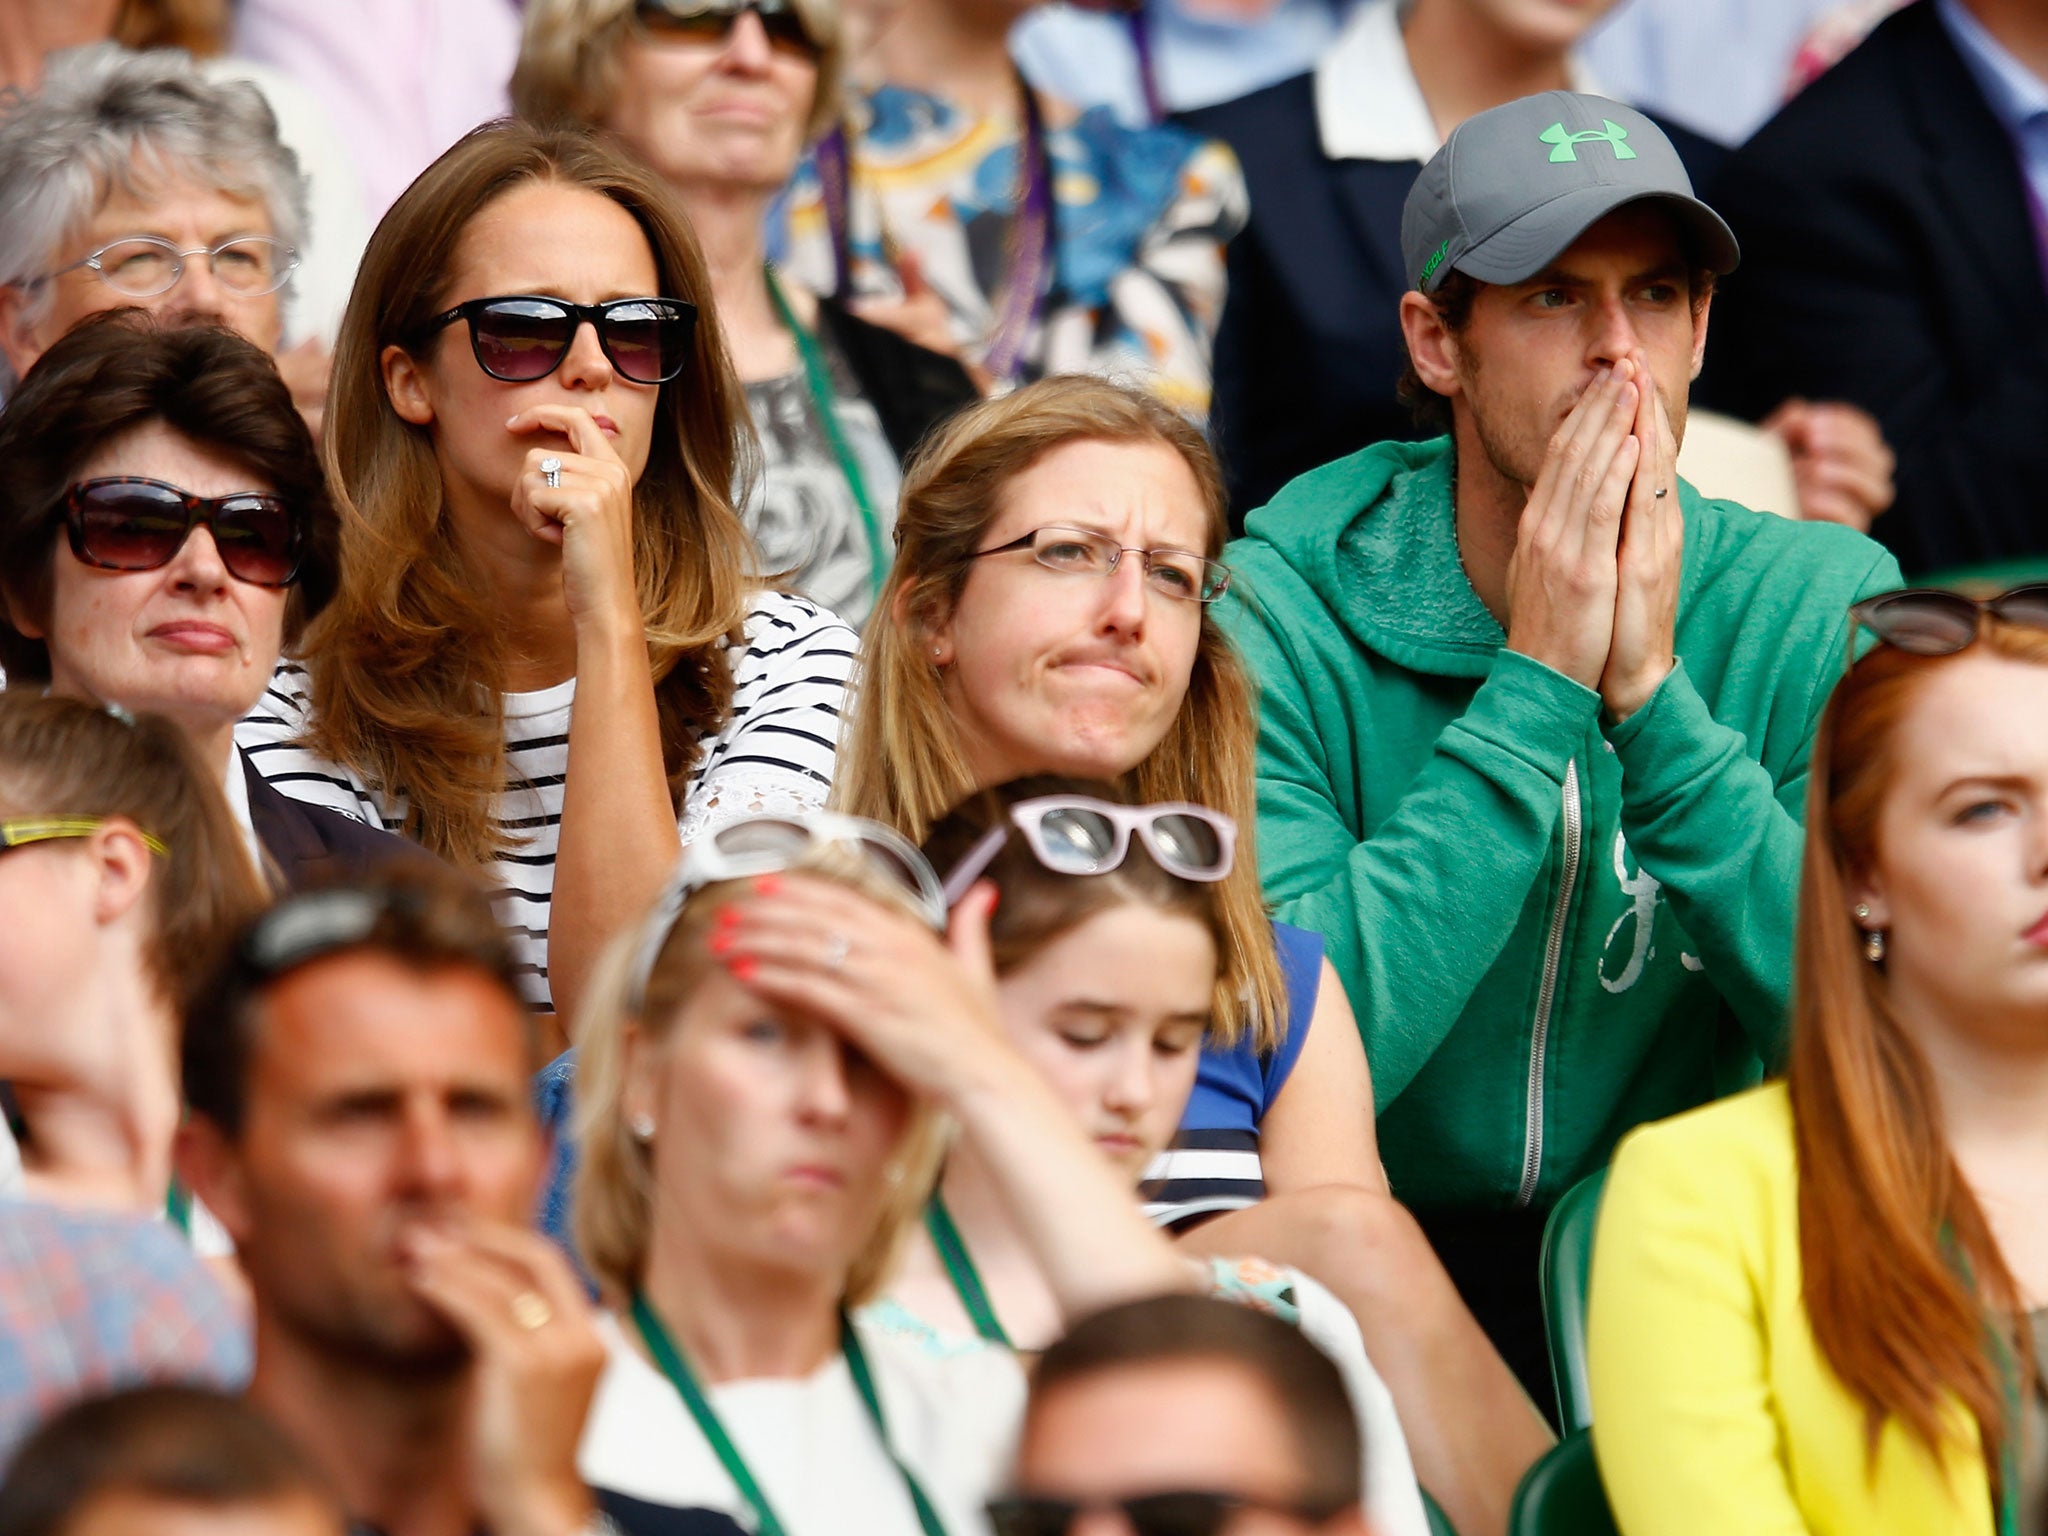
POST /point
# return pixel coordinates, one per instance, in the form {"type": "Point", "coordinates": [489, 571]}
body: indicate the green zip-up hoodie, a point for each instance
{"type": "Point", "coordinates": [1550, 930]}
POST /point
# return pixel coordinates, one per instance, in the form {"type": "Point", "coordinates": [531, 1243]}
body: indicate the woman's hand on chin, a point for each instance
{"type": "Point", "coordinates": [924, 1011]}
{"type": "Point", "coordinates": [589, 513]}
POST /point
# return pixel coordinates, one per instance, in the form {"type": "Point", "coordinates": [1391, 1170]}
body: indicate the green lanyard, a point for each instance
{"type": "Point", "coordinates": [678, 1372]}
{"type": "Point", "coordinates": [938, 1221]}
{"type": "Point", "coordinates": [824, 403]}
{"type": "Point", "coordinates": [2008, 1515]}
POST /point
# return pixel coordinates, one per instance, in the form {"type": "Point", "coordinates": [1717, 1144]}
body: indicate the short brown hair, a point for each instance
{"type": "Point", "coordinates": [64, 757]}
{"type": "Point", "coordinates": [184, 1445]}
{"type": "Point", "coordinates": [1454, 299]}
{"type": "Point", "coordinates": [1301, 1380]}
{"type": "Point", "coordinates": [110, 375]}
{"type": "Point", "coordinates": [568, 67]}
{"type": "Point", "coordinates": [418, 912]}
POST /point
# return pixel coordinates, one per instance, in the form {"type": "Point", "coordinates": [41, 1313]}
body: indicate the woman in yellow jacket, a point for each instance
{"type": "Point", "coordinates": [1822, 1307]}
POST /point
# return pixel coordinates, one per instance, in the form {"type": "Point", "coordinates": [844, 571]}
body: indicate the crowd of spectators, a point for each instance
{"type": "Point", "coordinates": [949, 766]}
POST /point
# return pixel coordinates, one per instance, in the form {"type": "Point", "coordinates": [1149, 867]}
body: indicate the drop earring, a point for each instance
{"type": "Point", "coordinates": [1873, 938]}
{"type": "Point", "coordinates": [643, 1127]}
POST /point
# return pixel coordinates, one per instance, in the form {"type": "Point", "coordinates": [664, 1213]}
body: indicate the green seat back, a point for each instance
{"type": "Point", "coordinates": [1561, 1495]}
{"type": "Point", "coordinates": [1439, 1522]}
{"type": "Point", "coordinates": [1567, 1267]}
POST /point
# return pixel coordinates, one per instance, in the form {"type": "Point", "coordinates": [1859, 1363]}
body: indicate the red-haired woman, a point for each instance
{"type": "Point", "coordinates": [1821, 1306]}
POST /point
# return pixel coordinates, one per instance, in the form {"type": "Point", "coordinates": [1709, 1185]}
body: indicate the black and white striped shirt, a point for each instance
{"type": "Point", "coordinates": [775, 753]}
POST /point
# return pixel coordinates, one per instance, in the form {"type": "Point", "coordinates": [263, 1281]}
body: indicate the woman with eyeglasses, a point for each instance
{"type": "Point", "coordinates": [719, 97]}
{"type": "Point", "coordinates": [535, 434]}
{"type": "Point", "coordinates": [1822, 1306]}
{"type": "Point", "coordinates": [759, 1128]}
{"type": "Point", "coordinates": [1050, 610]}
{"type": "Point", "coordinates": [166, 534]}
{"type": "Point", "coordinates": [121, 877]}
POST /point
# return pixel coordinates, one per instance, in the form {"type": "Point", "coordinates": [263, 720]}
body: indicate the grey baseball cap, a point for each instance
{"type": "Point", "coordinates": [1513, 187]}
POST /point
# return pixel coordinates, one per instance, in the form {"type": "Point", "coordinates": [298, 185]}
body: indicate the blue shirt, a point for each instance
{"type": "Point", "coordinates": [2017, 97]}
{"type": "Point", "coordinates": [1087, 58]}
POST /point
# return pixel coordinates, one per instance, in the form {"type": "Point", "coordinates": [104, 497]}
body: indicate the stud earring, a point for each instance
{"type": "Point", "coordinates": [1862, 911]}
{"type": "Point", "coordinates": [643, 1126]}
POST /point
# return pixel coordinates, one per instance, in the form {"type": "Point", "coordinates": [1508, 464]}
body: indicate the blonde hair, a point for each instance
{"type": "Point", "coordinates": [568, 69]}
{"type": "Point", "coordinates": [614, 1191]}
{"type": "Point", "coordinates": [407, 662]}
{"type": "Point", "coordinates": [64, 757]}
{"type": "Point", "coordinates": [902, 762]}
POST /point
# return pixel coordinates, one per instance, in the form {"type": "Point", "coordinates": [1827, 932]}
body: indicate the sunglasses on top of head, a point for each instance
{"type": "Point", "coordinates": [1931, 621]}
{"type": "Point", "coordinates": [518, 338]}
{"type": "Point", "coordinates": [711, 22]}
{"type": "Point", "coordinates": [127, 523]}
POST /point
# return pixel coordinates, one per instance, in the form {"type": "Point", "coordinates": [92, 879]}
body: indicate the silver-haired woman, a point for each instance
{"type": "Point", "coordinates": [135, 179]}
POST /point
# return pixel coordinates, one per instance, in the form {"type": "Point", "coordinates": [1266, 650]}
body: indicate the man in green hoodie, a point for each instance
{"type": "Point", "coordinates": [1534, 714]}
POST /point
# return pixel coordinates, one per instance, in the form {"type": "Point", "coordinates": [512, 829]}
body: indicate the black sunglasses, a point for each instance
{"type": "Point", "coordinates": [711, 22]}
{"type": "Point", "coordinates": [522, 337]}
{"type": "Point", "coordinates": [1148, 1514]}
{"type": "Point", "coordinates": [1930, 621]}
{"type": "Point", "coordinates": [127, 523]}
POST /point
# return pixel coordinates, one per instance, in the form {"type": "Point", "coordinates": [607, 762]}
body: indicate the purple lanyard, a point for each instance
{"type": "Point", "coordinates": [2039, 212]}
{"type": "Point", "coordinates": [1148, 68]}
{"type": "Point", "coordinates": [1033, 235]}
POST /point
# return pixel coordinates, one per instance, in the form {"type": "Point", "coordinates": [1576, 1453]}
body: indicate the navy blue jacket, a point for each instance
{"type": "Point", "coordinates": [1889, 259]}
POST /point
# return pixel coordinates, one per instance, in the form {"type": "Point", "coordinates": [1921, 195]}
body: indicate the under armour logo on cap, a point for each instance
{"type": "Point", "coordinates": [1481, 208]}
{"type": "Point", "coordinates": [1566, 143]}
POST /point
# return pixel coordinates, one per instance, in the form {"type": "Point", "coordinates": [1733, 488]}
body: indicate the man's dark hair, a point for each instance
{"type": "Point", "coordinates": [1454, 299]}
{"type": "Point", "coordinates": [181, 1444]}
{"type": "Point", "coordinates": [111, 374]}
{"type": "Point", "coordinates": [419, 913]}
{"type": "Point", "coordinates": [1300, 1379]}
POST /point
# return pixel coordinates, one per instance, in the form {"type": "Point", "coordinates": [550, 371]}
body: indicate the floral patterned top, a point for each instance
{"type": "Point", "coordinates": [1141, 217]}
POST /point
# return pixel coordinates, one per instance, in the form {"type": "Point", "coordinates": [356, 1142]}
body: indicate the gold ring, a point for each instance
{"type": "Point", "coordinates": [531, 1311]}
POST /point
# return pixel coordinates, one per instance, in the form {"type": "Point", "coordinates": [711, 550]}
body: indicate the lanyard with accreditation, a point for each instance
{"type": "Point", "coordinates": [677, 1370]}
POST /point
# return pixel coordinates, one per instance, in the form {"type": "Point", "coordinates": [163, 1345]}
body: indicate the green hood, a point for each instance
{"type": "Point", "coordinates": [1550, 930]}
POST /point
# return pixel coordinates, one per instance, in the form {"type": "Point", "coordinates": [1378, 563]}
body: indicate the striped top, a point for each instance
{"type": "Point", "coordinates": [775, 753]}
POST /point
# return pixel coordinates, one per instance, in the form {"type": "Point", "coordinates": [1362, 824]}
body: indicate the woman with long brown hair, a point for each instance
{"type": "Point", "coordinates": [534, 435]}
{"type": "Point", "coordinates": [1820, 1306]}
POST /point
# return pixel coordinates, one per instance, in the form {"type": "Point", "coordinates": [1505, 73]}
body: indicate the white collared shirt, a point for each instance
{"type": "Point", "coordinates": [1368, 104]}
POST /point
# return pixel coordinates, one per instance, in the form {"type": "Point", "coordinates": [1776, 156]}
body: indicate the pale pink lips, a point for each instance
{"type": "Point", "coordinates": [2038, 934]}
{"type": "Point", "coordinates": [196, 636]}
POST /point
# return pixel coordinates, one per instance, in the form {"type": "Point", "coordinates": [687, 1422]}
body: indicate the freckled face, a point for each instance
{"type": "Point", "coordinates": [1049, 671]}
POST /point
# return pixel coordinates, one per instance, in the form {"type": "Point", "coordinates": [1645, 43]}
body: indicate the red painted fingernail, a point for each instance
{"type": "Point", "coordinates": [721, 943]}
{"type": "Point", "coordinates": [728, 918]}
{"type": "Point", "coordinates": [768, 885]}
{"type": "Point", "coordinates": [743, 968]}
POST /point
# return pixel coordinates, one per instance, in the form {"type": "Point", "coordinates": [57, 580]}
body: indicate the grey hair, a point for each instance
{"type": "Point", "coordinates": [105, 117]}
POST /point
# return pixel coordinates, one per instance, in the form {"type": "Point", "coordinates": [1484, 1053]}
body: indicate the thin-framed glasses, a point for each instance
{"type": "Point", "coordinates": [24, 830]}
{"type": "Point", "coordinates": [1080, 835]}
{"type": "Point", "coordinates": [1177, 573]}
{"type": "Point", "coordinates": [143, 266]}
{"type": "Point", "coordinates": [130, 523]}
{"type": "Point", "coordinates": [1932, 621]}
{"type": "Point", "coordinates": [710, 22]}
{"type": "Point", "coordinates": [518, 338]}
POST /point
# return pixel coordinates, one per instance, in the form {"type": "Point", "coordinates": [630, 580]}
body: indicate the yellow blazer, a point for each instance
{"type": "Point", "coordinates": [1714, 1411]}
